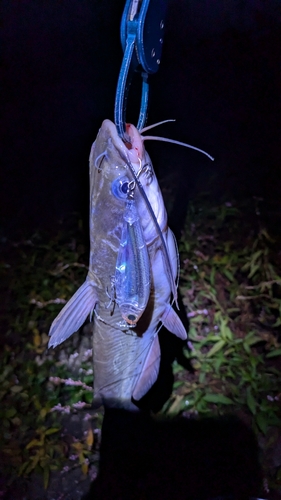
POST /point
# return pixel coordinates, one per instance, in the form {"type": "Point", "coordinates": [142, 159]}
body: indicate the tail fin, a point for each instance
{"type": "Point", "coordinates": [74, 313]}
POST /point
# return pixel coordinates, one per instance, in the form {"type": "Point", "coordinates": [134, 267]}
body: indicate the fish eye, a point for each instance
{"type": "Point", "coordinates": [120, 187]}
{"type": "Point", "coordinates": [124, 187]}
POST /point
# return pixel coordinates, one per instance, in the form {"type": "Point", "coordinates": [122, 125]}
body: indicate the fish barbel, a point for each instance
{"type": "Point", "coordinates": [127, 235]}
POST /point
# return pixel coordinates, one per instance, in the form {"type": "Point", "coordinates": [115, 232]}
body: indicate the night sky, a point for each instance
{"type": "Point", "coordinates": [220, 78]}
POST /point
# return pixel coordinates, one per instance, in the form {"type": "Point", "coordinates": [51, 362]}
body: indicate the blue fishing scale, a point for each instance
{"type": "Point", "coordinates": [141, 32]}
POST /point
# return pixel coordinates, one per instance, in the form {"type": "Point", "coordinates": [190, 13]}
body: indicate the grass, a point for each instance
{"type": "Point", "coordinates": [231, 289]}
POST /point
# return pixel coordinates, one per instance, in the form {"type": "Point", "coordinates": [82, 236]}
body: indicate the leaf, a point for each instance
{"type": "Point", "coordinates": [186, 246]}
{"type": "Point", "coordinates": [252, 339]}
{"type": "Point", "coordinates": [196, 364]}
{"type": "Point", "coordinates": [43, 412]}
{"type": "Point", "coordinates": [229, 275]}
{"type": "Point", "coordinates": [88, 396]}
{"type": "Point", "coordinates": [216, 348]}
{"type": "Point", "coordinates": [218, 316]}
{"type": "Point", "coordinates": [229, 351]}
{"type": "Point", "coordinates": [16, 388]}
{"type": "Point", "coordinates": [33, 462]}
{"type": "Point", "coordinates": [32, 443]}
{"type": "Point", "coordinates": [255, 256]}
{"type": "Point", "coordinates": [201, 406]}
{"type": "Point", "coordinates": [262, 422]}
{"type": "Point", "coordinates": [212, 338]}
{"type": "Point", "coordinates": [198, 319]}
{"type": "Point", "coordinates": [266, 235]}
{"type": "Point", "coordinates": [77, 446]}
{"type": "Point", "coordinates": [245, 267]}
{"type": "Point", "coordinates": [247, 348]}
{"type": "Point", "coordinates": [10, 412]}
{"type": "Point", "coordinates": [212, 276]}
{"type": "Point", "coordinates": [226, 333]}
{"type": "Point", "coordinates": [54, 466]}
{"type": "Point", "coordinates": [277, 323]}
{"type": "Point", "coordinates": [85, 468]}
{"type": "Point", "coordinates": [16, 421]}
{"type": "Point", "coordinates": [176, 368]}
{"type": "Point", "coordinates": [254, 269]}
{"type": "Point", "coordinates": [251, 402]}
{"type": "Point", "coordinates": [90, 438]}
{"type": "Point", "coordinates": [272, 354]}
{"type": "Point", "coordinates": [177, 384]}
{"type": "Point", "coordinates": [46, 475]}
{"type": "Point", "coordinates": [217, 362]}
{"type": "Point", "coordinates": [192, 334]}
{"type": "Point", "coordinates": [36, 337]}
{"type": "Point", "coordinates": [176, 405]}
{"type": "Point", "coordinates": [52, 430]}
{"type": "Point", "coordinates": [274, 420]}
{"type": "Point", "coordinates": [217, 399]}
{"type": "Point", "coordinates": [23, 468]}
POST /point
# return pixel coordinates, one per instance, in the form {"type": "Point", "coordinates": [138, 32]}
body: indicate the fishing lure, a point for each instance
{"type": "Point", "coordinates": [132, 280]}
{"type": "Point", "coordinates": [132, 275]}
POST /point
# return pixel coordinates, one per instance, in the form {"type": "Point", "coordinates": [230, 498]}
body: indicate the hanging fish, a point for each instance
{"type": "Point", "coordinates": [133, 268]}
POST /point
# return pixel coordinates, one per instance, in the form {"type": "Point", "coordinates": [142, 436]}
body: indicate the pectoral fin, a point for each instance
{"type": "Point", "coordinates": [149, 371]}
{"type": "Point", "coordinates": [173, 323]}
{"type": "Point", "coordinates": [74, 313]}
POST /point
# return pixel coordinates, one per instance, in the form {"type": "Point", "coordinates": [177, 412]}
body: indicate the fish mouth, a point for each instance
{"type": "Point", "coordinates": [131, 150]}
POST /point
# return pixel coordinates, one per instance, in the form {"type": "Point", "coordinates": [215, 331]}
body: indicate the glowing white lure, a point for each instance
{"type": "Point", "coordinates": [132, 274]}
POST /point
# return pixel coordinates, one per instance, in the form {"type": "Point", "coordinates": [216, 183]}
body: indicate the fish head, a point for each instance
{"type": "Point", "coordinates": [110, 173]}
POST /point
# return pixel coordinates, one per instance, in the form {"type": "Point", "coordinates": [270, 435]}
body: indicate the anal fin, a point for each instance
{"type": "Point", "coordinates": [73, 314]}
{"type": "Point", "coordinates": [172, 322]}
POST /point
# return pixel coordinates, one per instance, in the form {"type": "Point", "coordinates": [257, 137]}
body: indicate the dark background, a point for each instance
{"type": "Point", "coordinates": [219, 77]}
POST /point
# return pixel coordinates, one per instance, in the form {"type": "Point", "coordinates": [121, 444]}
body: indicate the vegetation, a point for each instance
{"type": "Point", "coordinates": [38, 275]}
{"type": "Point", "coordinates": [231, 289]}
